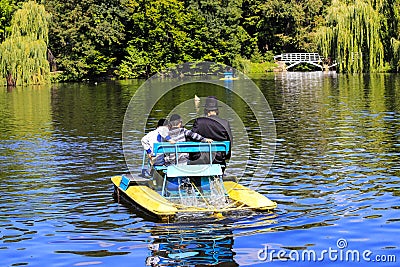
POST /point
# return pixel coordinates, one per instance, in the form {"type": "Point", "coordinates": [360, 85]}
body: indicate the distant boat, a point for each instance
{"type": "Point", "coordinates": [228, 76]}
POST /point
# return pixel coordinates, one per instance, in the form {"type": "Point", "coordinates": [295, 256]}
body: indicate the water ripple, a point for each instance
{"type": "Point", "coordinates": [336, 174]}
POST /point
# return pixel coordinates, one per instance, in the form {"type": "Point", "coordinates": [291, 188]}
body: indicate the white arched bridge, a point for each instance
{"type": "Point", "coordinates": [315, 59]}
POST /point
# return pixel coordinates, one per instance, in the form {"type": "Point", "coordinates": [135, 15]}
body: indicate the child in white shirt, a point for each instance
{"type": "Point", "coordinates": [155, 136]}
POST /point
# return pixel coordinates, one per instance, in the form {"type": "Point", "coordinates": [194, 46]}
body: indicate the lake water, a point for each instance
{"type": "Point", "coordinates": [335, 177]}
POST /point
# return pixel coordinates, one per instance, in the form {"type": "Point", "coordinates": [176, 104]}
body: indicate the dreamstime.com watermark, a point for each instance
{"type": "Point", "coordinates": [340, 253]}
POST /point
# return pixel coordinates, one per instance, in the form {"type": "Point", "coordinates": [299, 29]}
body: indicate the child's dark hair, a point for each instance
{"type": "Point", "coordinates": [174, 120]}
{"type": "Point", "coordinates": [162, 122]}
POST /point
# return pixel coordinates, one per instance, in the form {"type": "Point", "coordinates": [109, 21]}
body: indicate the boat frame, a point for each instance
{"type": "Point", "coordinates": [157, 191]}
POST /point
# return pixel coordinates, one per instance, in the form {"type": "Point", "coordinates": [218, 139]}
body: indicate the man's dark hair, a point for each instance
{"type": "Point", "coordinates": [208, 110]}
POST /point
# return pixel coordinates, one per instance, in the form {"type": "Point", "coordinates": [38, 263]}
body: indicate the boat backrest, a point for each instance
{"type": "Point", "coordinates": [190, 147]}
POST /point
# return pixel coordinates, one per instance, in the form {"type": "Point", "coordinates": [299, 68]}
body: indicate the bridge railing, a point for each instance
{"type": "Point", "coordinates": [299, 57]}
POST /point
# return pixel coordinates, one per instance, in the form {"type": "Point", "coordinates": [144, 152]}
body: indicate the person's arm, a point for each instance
{"type": "Point", "coordinates": [147, 144]}
{"type": "Point", "coordinates": [169, 139]}
{"type": "Point", "coordinates": [164, 136]}
{"type": "Point", "coordinates": [228, 130]}
{"type": "Point", "coordinates": [196, 136]}
{"type": "Point", "coordinates": [195, 126]}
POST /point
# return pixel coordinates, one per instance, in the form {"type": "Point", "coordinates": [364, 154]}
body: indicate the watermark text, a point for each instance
{"type": "Point", "coordinates": [338, 253]}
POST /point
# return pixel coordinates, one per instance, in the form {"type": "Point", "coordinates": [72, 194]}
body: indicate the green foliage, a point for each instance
{"type": "Point", "coordinates": [396, 51]}
{"type": "Point", "coordinates": [223, 34]}
{"type": "Point", "coordinates": [353, 35]}
{"type": "Point", "coordinates": [269, 56]}
{"type": "Point", "coordinates": [282, 26]}
{"type": "Point", "coordinates": [135, 64]}
{"type": "Point", "coordinates": [261, 67]}
{"type": "Point", "coordinates": [257, 57]}
{"type": "Point", "coordinates": [23, 55]}
{"type": "Point", "coordinates": [161, 33]}
{"type": "Point", "coordinates": [166, 32]}
{"type": "Point", "coordinates": [87, 36]}
{"type": "Point", "coordinates": [393, 15]}
{"type": "Point", "coordinates": [31, 21]}
{"type": "Point", "coordinates": [136, 38]}
{"type": "Point", "coordinates": [250, 67]}
{"type": "Point", "coordinates": [6, 9]}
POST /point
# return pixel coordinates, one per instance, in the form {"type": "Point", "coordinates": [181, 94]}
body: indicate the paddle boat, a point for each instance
{"type": "Point", "coordinates": [167, 191]}
{"type": "Point", "coordinates": [228, 76]}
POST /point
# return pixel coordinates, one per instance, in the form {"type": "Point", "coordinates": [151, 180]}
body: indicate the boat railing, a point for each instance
{"type": "Point", "coordinates": [195, 171]}
{"type": "Point", "coordinates": [191, 147]}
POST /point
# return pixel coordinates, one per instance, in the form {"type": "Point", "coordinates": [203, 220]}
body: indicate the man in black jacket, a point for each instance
{"type": "Point", "coordinates": [215, 128]}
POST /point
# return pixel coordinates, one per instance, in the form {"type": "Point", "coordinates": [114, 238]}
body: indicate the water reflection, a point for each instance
{"type": "Point", "coordinates": [182, 245]}
{"type": "Point", "coordinates": [26, 112]}
{"type": "Point", "coordinates": [338, 151]}
{"type": "Point", "coordinates": [336, 174]}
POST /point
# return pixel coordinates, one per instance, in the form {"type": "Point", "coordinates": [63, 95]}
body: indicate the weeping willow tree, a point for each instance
{"type": "Point", "coordinates": [395, 41]}
{"type": "Point", "coordinates": [23, 55]}
{"type": "Point", "coordinates": [352, 34]}
{"type": "Point", "coordinates": [396, 52]}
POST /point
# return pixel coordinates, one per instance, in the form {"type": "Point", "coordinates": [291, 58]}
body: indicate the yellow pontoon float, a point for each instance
{"type": "Point", "coordinates": [171, 190]}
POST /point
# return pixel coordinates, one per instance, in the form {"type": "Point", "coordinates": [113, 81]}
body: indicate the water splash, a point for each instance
{"type": "Point", "coordinates": [192, 196]}
{"type": "Point", "coordinates": [187, 194]}
{"type": "Point", "coordinates": [217, 196]}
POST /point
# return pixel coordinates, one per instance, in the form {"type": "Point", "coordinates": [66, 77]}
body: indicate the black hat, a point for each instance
{"type": "Point", "coordinates": [211, 103]}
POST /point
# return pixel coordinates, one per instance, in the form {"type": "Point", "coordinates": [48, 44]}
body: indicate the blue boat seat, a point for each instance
{"type": "Point", "coordinates": [201, 183]}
